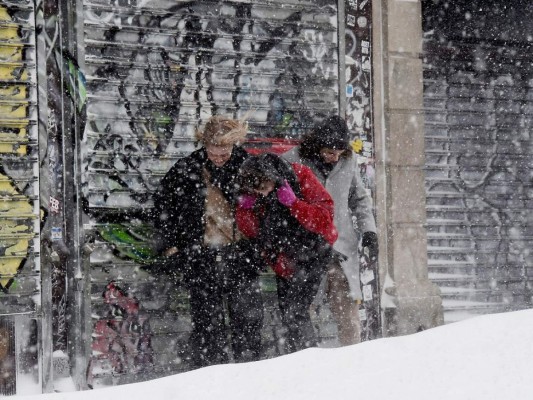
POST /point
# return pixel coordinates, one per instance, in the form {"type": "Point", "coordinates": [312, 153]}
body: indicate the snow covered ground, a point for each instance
{"type": "Point", "coordinates": [488, 357]}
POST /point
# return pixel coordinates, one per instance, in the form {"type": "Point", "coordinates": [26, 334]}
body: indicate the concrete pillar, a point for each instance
{"type": "Point", "coordinates": [410, 301]}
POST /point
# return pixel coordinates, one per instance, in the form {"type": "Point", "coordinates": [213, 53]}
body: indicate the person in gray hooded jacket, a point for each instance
{"type": "Point", "coordinates": [327, 152]}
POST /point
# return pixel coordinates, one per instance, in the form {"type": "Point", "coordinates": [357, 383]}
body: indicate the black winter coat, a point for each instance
{"type": "Point", "coordinates": [180, 204]}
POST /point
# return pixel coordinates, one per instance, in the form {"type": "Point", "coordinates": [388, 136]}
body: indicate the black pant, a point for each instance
{"type": "Point", "coordinates": [219, 276]}
{"type": "Point", "coordinates": [295, 296]}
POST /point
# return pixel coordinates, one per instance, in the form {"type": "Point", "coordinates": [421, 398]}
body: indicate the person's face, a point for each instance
{"type": "Point", "coordinates": [330, 156]}
{"type": "Point", "coordinates": [264, 188]}
{"type": "Point", "coordinates": [218, 155]}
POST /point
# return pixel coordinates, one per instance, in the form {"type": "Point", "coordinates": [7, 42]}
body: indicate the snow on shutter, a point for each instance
{"type": "Point", "coordinates": [479, 117]}
{"type": "Point", "coordinates": [19, 196]}
{"type": "Point", "coordinates": [156, 69]}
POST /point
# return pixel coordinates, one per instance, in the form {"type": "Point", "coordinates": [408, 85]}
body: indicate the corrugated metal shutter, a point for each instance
{"type": "Point", "coordinates": [19, 191]}
{"type": "Point", "coordinates": [479, 118]}
{"type": "Point", "coordinates": [155, 69]}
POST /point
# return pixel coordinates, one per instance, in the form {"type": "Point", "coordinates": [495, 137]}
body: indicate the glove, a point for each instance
{"type": "Point", "coordinates": [370, 240]}
{"type": "Point", "coordinates": [285, 194]}
{"type": "Point", "coordinates": [284, 267]}
{"type": "Point", "coordinates": [246, 201]}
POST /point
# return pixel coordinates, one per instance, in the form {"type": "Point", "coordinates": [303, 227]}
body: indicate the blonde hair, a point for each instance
{"type": "Point", "coordinates": [222, 131]}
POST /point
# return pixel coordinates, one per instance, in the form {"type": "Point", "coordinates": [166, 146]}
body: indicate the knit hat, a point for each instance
{"type": "Point", "coordinates": [267, 166]}
{"type": "Point", "coordinates": [332, 133]}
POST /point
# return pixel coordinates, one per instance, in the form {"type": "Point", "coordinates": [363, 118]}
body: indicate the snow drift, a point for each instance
{"type": "Point", "coordinates": [488, 357]}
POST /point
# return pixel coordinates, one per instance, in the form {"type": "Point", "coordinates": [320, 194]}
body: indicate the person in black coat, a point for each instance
{"type": "Point", "coordinates": [290, 213]}
{"type": "Point", "coordinates": [326, 151]}
{"type": "Point", "coordinates": [195, 210]}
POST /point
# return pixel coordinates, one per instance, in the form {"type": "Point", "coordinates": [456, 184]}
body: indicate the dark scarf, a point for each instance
{"type": "Point", "coordinates": [224, 177]}
{"type": "Point", "coordinates": [279, 231]}
{"type": "Point", "coordinates": [323, 167]}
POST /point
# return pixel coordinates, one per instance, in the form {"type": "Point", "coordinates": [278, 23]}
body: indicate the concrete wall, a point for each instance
{"type": "Point", "coordinates": [411, 302]}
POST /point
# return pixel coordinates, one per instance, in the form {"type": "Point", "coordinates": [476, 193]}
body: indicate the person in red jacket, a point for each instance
{"type": "Point", "coordinates": [288, 210]}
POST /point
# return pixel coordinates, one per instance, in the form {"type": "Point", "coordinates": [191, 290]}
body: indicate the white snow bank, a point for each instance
{"type": "Point", "coordinates": [488, 357]}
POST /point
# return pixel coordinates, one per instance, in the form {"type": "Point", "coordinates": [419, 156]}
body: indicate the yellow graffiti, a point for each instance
{"type": "Point", "coordinates": [13, 72]}
{"type": "Point", "coordinates": [14, 236]}
{"type": "Point", "coordinates": [12, 227]}
{"type": "Point", "coordinates": [12, 48]}
{"type": "Point", "coordinates": [13, 137]}
{"type": "Point", "coordinates": [357, 146]}
{"type": "Point", "coordinates": [13, 110]}
{"type": "Point", "coordinates": [6, 188]}
{"type": "Point", "coordinates": [13, 148]}
{"type": "Point", "coordinates": [14, 106]}
{"type": "Point", "coordinates": [16, 210]}
{"type": "Point", "coordinates": [4, 15]}
{"type": "Point", "coordinates": [12, 203]}
{"type": "Point", "coordinates": [11, 261]}
{"type": "Point", "coordinates": [9, 31]}
{"type": "Point", "coordinates": [18, 92]}
{"type": "Point", "coordinates": [11, 53]}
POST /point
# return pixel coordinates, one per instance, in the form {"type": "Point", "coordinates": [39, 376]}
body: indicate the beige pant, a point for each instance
{"type": "Point", "coordinates": [344, 308]}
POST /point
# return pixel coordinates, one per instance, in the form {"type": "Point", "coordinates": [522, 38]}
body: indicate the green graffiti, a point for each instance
{"type": "Point", "coordinates": [129, 242]}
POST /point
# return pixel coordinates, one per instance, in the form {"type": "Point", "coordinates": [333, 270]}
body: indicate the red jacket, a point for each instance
{"type": "Point", "coordinates": [314, 212]}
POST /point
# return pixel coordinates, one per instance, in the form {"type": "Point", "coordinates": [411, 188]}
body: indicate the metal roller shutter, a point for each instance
{"type": "Point", "coordinates": [155, 70]}
{"type": "Point", "coordinates": [479, 117]}
{"type": "Point", "coordinates": [19, 196]}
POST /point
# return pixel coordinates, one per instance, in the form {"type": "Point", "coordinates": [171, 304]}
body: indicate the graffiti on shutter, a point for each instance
{"type": "Point", "coordinates": [18, 156]}
{"type": "Point", "coordinates": [19, 200]}
{"type": "Point", "coordinates": [478, 154]}
{"type": "Point", "coordinates": [155, 71]}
